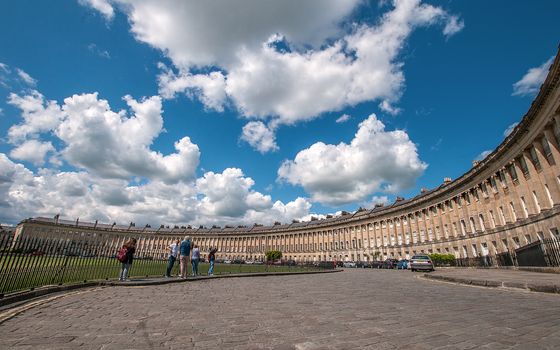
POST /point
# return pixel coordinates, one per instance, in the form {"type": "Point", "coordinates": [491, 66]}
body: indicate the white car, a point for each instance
{"type": "Point", "coordinates": [349, 264]}
{"type": "Point", "coordinates": [227, 261]}
{"type": "Point", "coordinates": [250, 262]}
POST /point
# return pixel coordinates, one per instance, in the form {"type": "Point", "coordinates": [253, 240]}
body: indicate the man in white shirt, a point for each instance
{"type": "Point", "coordinates": [173, 252]}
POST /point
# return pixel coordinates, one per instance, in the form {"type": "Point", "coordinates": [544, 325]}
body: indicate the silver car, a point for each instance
{"type": "Point", "coordinates": [421, 262]}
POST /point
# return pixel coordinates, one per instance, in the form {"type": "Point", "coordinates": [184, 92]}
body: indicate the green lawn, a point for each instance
{"type": "Point", "coordinates": [26, 272]}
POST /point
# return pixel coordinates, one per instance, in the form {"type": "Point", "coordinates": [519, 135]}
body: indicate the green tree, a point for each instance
{"type": "Point", "coordinates": [273, 255]}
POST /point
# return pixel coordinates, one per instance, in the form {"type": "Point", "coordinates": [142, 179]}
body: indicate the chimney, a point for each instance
{"type": "Point", "coordinates": [446, 180]}
{"type": "Point", "coordinates": [475, 163]}
{"type": "Point", "coordinates": [423, 190]}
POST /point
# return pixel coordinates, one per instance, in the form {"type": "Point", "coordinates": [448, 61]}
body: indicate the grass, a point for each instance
{"type": "Point", "coordinates": [26, 272]}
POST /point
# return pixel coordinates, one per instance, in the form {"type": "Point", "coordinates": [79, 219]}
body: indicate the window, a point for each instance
{"type": "Point", "coordinates": [493, 184]}
{"type": "Point", "coordinates": [524, 166]}
{"type": "Point", "coordinates": [502, 215]}
{"type": "Point", "coordinates": [516, 242]}
{"type": "Point", "coordinates": [546, 148]}
{"type": "Point", "coordinates": [537, 204]}
{"type": "Point", "coordinates": [513, 173]}
{"type": "Point", "coordinates": [502, 178]}
{"type": "Point", "coordinates": [481, 220]}
{"type": "Point", "coordinates": [473, 227]}
{"type": "Point", "coordinates": [528, 239]}
{"type": "Point", "coordinates": [524, 205]}
{"type": "Point", "coordinates": [475, 194]}
{"type": "Point", "coordinates": [554, 233]}
{"type": "Point", "coordinates": [550, 201]}
{"type": "Point", "coordinates": [513, 213]}
{"type": "Point", "coordinates": [535, 158]}
{"type": "Point", "coordinates": [484, 190]}
{"type": "Point", "coordinates": [463, 227]}
{"type": "Point", "coordinates": [540, 235]}
{"type": "Point", "coordinates": [492, 218]}
{"type": "Point", "coordinates": [467, 198]}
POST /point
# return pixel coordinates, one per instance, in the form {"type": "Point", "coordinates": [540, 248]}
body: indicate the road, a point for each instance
{"type": "Point", "coordinates": [354, 309]}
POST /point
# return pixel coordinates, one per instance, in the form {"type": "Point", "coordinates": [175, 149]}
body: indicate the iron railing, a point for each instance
{"type": "Point", "coordinates": [32, 262]}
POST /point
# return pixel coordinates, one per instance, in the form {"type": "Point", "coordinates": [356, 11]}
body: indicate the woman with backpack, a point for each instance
{"type": "Point", "coordinates": [126, 260]}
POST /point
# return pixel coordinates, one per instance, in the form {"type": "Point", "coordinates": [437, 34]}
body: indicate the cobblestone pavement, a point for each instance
{"type": "Point", "coordinates": [354, 309]}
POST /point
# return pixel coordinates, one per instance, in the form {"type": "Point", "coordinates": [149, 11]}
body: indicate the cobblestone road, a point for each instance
{"type": "Point", "coordinates": [354, 309]}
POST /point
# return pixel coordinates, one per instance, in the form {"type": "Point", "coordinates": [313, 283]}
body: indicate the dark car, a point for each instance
{"type": "Point", "coordinates": [377, 264]}
{"type": "Point", "coordinates": [362, 264]}
{"type": "Point", "coordinates": [390, 263]}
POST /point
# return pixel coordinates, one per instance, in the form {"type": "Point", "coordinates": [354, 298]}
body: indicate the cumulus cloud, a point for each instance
{"type": "Point", "coordinates": [103, 6]}
{"type": "Point", "coordinates": [39, 116]}
{"type": "Point", "coordinates": [261, 137]}
{"type": "Point", "coordinates": [375, 160]}
{"type": "Point", "coordinates": [24, 193]}
{"type": "Point", "coordinates": [532, 80]}
{"type": "Point", "coordinates": [107, 143]}
{"type": "Point", "coordinates": [290, 62]}
{"type": "Point", "coordinates": [33, 151]}
{"type": "Point", "coordinates": [376, 200]}
{"type": "Point", "coordinates": [343, 118]}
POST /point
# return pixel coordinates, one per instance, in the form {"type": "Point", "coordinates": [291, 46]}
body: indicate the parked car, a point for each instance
{"type": "Point", "coordinates": [349, 264]}
{"type": "Point", "coordinates": [421, 262]}
{"type": "Point", "coordinates": [377, 264]}
{"type": "Point", "coordinates": [402, 264]}
{"type": "Point", "coordinates": [362, 264]}
{"type": "Point", "coordinates": [390, 263]}
{"type": "Point", "coordinates": [249, 262]}
{"type": "Point", "coordinates": [227, 261]}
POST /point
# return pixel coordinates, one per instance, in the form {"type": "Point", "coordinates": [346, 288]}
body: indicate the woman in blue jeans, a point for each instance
{"type": "Point", "coordinates": [195, 259]}
{"type": "Point", "coordinates": [211, 260]}
{"type": "Point", "coordinates": [130, 246]}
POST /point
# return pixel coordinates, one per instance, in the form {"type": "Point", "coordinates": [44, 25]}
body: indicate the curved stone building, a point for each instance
{"type": "Point", "coordinates": [505, 201]}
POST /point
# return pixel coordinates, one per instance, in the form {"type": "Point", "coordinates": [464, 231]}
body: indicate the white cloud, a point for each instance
{"type": "Point", "coordinates": [39, 116]}
{"type": "Point", "coordinates": [261, 137]}
{"type": "Point", "coordinates": [532, 80]}
{"type": "Point", "coordinates": [114, 145]}
{"type": "Point", "coordinates": [375, 160]}
{"type": "Point", "coordinates": [209, 88]}
{"type": "Point", "coordinates": [89, 197]}
{"type": "Point", "coordinates": [103, 6]}
{"type": "Point", "coordinates": [386, 107]}
{"type": "Point", "coordinates": [289, 61]}
{"type": "Point", "coordinates": [453, 26]}
{"type": "Point", "coordinates": [26, 77]}
{"type": "Point", "coordinates": [32, 151]}
{"type": "Point", "coordinates": [343, 118]}
{"type": "Point", "coordinates": [510, 129]}
{"type": "Point", "coordinates": [107, 143]}
{"type": "Point", "coordinates": [376, 200]}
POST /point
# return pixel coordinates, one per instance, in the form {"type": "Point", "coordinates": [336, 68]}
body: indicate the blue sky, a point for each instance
{"type": "Point", "coordinates": [232, 106]}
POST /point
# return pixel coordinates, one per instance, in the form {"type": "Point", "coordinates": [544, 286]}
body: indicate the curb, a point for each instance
{"type": "Point", "coordinates": [541, 288]}
{"type": "Point", "coordinates": [22, 297]}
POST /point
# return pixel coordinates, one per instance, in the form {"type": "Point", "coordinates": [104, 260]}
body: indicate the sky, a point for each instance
{"type": "Point", "coordinates": [255, 111]}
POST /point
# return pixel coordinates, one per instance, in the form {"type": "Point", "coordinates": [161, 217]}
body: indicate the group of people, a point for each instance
{"type": "Point", "coordinates": [185, 250]}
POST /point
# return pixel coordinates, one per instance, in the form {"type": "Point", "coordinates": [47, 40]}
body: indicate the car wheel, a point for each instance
{"type": "Point", "coordinates": [412, 270]}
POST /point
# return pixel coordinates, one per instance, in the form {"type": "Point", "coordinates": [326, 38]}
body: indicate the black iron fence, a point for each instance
{"type": "Point", "coordinates": [544, 253]}
{"type": "Point", "coordinates": [31, 262]}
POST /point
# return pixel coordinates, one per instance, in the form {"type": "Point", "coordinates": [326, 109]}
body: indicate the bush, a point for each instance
{"type": "Point", "coordinates": [443, 259]}
{"type": "Point", "coordinates": [273, 255]}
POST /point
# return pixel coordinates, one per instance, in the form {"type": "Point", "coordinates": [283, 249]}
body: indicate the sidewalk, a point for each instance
{"type": "Point", "coordinates": [533, 281]}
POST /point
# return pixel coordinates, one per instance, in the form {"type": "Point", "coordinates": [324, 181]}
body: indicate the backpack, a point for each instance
{"type": "Point", "coordinates": [121, 254]}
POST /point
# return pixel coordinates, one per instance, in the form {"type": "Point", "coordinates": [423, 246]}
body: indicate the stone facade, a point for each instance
{"type": "Point", "coordinates": [507, 200]}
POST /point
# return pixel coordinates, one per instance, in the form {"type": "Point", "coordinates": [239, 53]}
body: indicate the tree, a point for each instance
{"type": "Point", "coordinates": [273, 255]}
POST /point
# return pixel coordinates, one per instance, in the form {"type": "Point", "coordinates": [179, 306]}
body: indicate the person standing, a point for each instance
{"type": "Point", "coordinates": [130, 246]}
{"type": "Point", "coordinates": [185, 252]}
{"type": "Point", "coordinates": [173, 252]}
{"type": "Point", "coordinates": [195, 259]}
{"type": "Point", "coordinates": [211, 260]}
